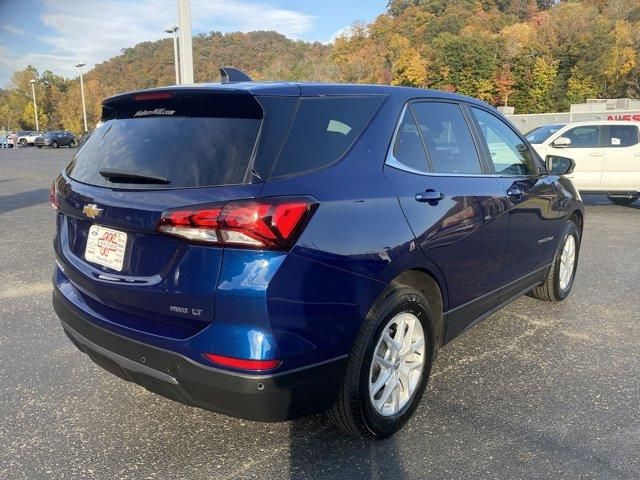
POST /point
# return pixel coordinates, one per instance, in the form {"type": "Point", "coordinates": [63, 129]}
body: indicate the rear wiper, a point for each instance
{"type": "Point", "coordinates": [124, 176]}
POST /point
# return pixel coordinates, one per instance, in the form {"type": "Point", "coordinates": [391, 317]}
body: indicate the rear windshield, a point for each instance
{"type": "Point", "coordinates": [184, 151]}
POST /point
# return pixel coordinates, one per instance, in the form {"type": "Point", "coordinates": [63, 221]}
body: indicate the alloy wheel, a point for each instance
{"type": "Point", "coordinates": [397, 364]}
{"type": "Point", "coordinates": [567, 261]}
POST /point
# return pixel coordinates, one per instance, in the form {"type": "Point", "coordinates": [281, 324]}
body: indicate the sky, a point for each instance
{"type": "Point", "coordinates": [56, 34]}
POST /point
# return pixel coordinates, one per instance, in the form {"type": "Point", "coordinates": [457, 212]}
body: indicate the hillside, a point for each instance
{"type": "Point", "coordinates": [261, 54]}
{"type": "Point", "coordinates": [534, 55]}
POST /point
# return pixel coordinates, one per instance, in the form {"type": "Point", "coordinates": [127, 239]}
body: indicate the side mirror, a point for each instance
{"type": "Point", "coordinates": [560, 165]}
{"type": "Point", "coordinates": [561, 142]}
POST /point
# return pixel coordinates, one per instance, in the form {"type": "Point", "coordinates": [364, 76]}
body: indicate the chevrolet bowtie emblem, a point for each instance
{"type": "Point", "coordinates": [91, 210]}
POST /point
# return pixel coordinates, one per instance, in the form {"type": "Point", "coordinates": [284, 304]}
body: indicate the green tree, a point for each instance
{"type": "Point", "coordinates": [543, 77]}
{"type": "Point", "coordinates": [468, 61]}
{"type": "Point", "coordinates": [581, 86]}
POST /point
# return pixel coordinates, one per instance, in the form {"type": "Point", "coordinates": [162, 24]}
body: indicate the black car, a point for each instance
{"type": "Point", "coordinates": [55, 139]}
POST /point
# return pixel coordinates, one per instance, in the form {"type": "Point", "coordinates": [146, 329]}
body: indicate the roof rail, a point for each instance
{"type": "Point", "coordinates": [233, 75]}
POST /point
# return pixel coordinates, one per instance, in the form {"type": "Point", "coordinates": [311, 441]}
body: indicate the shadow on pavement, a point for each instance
{"type": "Point", "coordinates": [23, 200]}
{"type": "Point", "coordinates": [318, 450]}
{"type": "Point", "coordinates": [635, 205]}
{"type": "Point", "coordinates": [602, 200]}
{"type": "Point", "coordinates": [567, 450]}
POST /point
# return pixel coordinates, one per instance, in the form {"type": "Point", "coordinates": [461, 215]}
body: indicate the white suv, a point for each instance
{"type": "Point", "coordinates": [607, 157]}
{"type": "Point", "coordinates": [27, 137]}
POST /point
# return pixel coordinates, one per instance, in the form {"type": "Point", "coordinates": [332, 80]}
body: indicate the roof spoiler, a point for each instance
{"type": "Point", "coordinates": [233, 75]}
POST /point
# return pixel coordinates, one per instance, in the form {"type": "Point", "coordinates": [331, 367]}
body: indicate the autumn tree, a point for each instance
{"type": "Point", "coordinates": [504, 82]}
{"type": "Point", "coordinates": [621, 58]}
{"type": "Point", "coordinates": [408, 66]}
{"type": "Point", "coordinates": [360, 58]}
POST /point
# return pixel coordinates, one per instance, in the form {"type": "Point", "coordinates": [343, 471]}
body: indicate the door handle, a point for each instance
{"type": "Point", "coordinates": [430, 196]}
{"type": "Point", "coordinates": [515, 191]}
{"type": "Point", "coordinates": [595, 154]}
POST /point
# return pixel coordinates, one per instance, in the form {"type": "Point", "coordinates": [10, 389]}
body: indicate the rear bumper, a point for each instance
{"type": "Point", "coordinates": [277, 397]}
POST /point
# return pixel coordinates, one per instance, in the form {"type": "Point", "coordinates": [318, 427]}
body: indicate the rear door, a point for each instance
{"type": "Point", "coordinates": [587, 149]}
{"type": "Point", "coordinates": [154, 153]}
{"type": "Point", "coordinates": [456, 212]}
{"type": "Point", "coordinates": [621, 169]}
{"type": "Point", "coordinates": [535, 216]}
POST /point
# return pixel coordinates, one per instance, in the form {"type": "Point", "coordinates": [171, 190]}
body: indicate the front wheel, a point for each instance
{"type": "Point", "coordinates": [624, 201]}
{"type": "Point", "coordinates": [54, 144]}
{"type": "Point", "coordinates": [72, 144]}
{"type": "Point", "coordinates": [388, 367]}
{"type": "Point", "coordinates": [23, 142]}
{"type": "Point", "coordinates": [561, 274]}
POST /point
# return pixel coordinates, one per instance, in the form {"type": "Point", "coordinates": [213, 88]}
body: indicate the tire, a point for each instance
{"type": "Point", "coordinates": [39, 146]}
{"type": "Point", "coordinates": [72, 144]}
{"type": "Point", "coordinates": [54, 144]}
{"type": "Point", "coordinates": [554, 289]}
{"type": "Point", "coordinates": [23, 142]}
{"type": "Point", "coordinates": [353, 411]}
{"type": "Point", "coordinates": [623, 201]}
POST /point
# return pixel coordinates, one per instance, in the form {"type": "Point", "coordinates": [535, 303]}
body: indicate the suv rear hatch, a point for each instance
{"type": "Point", "coordinates": [161, 150]}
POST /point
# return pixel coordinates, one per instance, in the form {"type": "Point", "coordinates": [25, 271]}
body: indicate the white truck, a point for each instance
{"type": "Point", "coordinates": [606, 153]}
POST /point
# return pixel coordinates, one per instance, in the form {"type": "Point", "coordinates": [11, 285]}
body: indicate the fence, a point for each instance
{"type": "Point", "coordinates": [527, 122]}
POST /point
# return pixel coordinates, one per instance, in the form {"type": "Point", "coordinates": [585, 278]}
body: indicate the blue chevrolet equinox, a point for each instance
{"type": "Point", "coordinates": [272, 250]}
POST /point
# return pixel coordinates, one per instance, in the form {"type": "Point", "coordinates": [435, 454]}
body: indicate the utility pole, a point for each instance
{"type": "Point", "coordinates": [186, 51]}
{"type": "Point", "coordinates": [35, 107]}
{"type": "Point", "coordinates": [176, 61]}
{"type": "Point", "coordinates": [84, 108]}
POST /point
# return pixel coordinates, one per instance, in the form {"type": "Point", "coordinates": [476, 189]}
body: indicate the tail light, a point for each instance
{"type": "Point", "coordinates": [242, 363]}
{"type": "Point", "coordinates": [269, 223]}
{"type": "Point", "coordinates": [53, 196]}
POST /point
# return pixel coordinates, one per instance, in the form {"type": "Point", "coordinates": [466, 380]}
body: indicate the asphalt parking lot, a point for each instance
{"type": "Point", "coordinates": [536, 391]}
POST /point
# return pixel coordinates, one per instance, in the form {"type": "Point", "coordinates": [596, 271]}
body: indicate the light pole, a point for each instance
{"type": "Point", "coordinates": [174, 33]}
{"type": "Point", "coordinates": [35, 106]}
{"type": "Point", "coordinates": [84, 108]}
{"type": "Point", "coordinates": [186, 50]}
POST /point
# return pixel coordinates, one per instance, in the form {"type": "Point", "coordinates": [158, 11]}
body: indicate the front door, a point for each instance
{"type": "Point", "coordinates": [534, 214]}
{"type": "Point", "coordinates": [457, 213]}
{"type": "Point", "coordinates": [588, 152]}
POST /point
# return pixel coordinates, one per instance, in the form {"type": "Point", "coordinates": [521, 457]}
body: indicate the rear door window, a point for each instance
{"type": "Point", "coordinates": [447, 137]}
{"type": "Point", "coordinates": [408, 148]}
{"type": "Point", "coordinates": [622, 136]}
{"type": "Point", "coordinates": [323, 129]}
{"type": "Point", "coordinates": [186, 151]}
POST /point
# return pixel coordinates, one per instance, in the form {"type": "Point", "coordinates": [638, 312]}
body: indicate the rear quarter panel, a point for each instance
{"type": "Point", "coordinates": [357, 241]}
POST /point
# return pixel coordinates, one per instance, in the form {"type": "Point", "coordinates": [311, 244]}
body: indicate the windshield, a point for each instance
{"type": "Point", "coordinates": [540, 134]}
{"type": "Point", "coordinates": [186, 151]}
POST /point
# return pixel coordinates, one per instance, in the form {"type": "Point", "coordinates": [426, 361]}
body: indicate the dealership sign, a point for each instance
{"type": "Point", "coordinates": [635, 117]}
